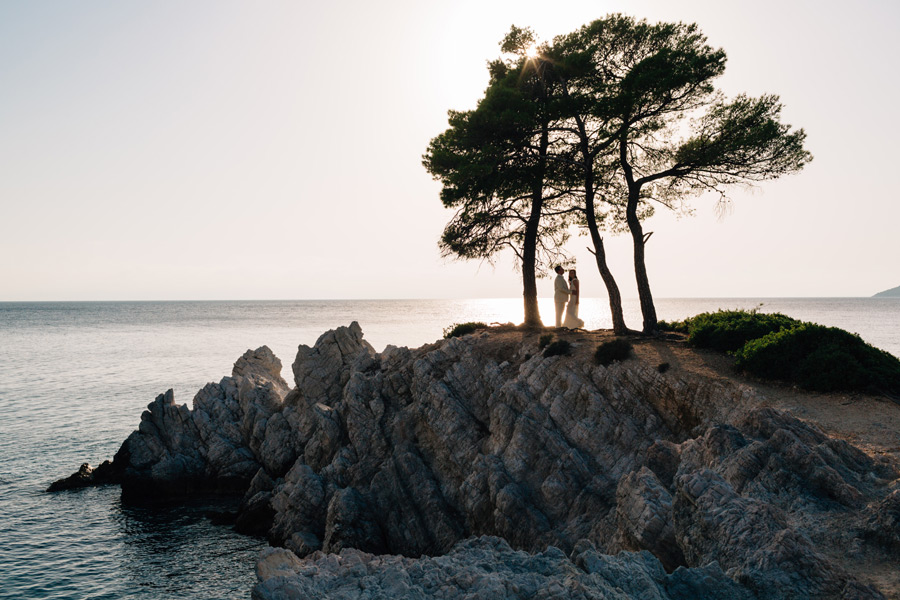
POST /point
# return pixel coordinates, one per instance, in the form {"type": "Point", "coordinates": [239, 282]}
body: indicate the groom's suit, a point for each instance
{"type": "Point", "coordinates": [560, 297]}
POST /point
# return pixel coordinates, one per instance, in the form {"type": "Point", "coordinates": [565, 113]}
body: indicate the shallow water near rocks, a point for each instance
{"type": "Point", "coordinates": [74, 378]}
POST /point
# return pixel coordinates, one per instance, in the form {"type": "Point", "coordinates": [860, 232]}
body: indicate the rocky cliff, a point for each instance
{"type": "Point", "coordinates": [477, 467]}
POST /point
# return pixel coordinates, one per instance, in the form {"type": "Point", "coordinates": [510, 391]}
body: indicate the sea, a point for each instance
{"type": "Point", "coordinates": [75, 377]}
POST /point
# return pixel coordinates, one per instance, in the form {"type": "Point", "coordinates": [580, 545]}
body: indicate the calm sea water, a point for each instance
{"type": "Point", "coordinates": [74, 378]}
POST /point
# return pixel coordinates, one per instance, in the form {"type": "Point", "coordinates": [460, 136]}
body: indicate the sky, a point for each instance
{"type": "Point", "coordinates": [272, 150]}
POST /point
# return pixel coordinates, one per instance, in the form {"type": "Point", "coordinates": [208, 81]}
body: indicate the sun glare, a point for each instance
{"type": "Point", "coordinates": [531, 51]}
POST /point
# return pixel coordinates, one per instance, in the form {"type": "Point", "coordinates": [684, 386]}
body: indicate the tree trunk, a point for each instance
{"type": "Point", "coordinates": [640, 268]}
{"type": "Point", "coordinates": [615, 298]}
{"type": "Point", "coordinates": [612, 289]}
{"type": "Point", "coordinates": [529, 276]}
{"type": "Point", "coordinates": [637, 236]}
{"type": "Point", "coordinates": [529, 251]}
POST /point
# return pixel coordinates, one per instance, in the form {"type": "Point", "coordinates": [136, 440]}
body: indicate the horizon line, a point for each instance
{"type": "Point", "coordinates": [32, 301]}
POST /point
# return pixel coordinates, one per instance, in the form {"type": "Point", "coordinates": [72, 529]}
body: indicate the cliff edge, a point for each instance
{"type": "Point", "coordinates": [477, 467]}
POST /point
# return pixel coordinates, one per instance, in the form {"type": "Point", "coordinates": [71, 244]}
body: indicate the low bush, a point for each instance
{"type": "Point", "coordinates": [679, 326]}
{"type": "Point", "coordinates": [822, 359]}
{"type": "Point", "coordinates": [461, 329]}
{"type": "Point", "coordinates": [612, 351]}
{"type": "Point", "coordinates": [558, 348]}
{"type": "Point", "coordinates": [729, 330]}
{"type": "Point", "coordinates": [544, 340]}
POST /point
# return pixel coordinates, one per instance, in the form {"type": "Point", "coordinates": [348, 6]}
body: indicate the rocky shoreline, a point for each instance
{"type": "Point", "coordinates": [476, 467]}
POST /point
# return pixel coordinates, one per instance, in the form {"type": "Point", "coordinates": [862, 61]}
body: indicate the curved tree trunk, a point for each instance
{"type": "Point", "coordinates": [637, 236]}
{"type": "Point", "coordinates": [615, 298]}
{"type": "Point", "coordinates": [612, 289]}
{"type": "Point", "coordinates": [648, 310]}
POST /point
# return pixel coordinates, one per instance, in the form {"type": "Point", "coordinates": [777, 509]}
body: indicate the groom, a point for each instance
{"type": "Point", "coordinates": [560, 294]}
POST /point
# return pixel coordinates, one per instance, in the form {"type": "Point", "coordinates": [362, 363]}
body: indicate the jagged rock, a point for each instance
{"type": "Point", "coordinates": [300, 508]}
{"type": "Point", "coordinates": [277, 562]}
{"type": "Point", "coordinates": [262, 363]}
{"type": "Point", "coordinates": [644, 516]}
{"type": "Point", "coordinates": [754, 541]}
{"type": "Point", "coordinates": [256, 514]}
{"type": "Point", "coordinates": [663, 458]}
{"type": "Point", "coordinates": [281, 445]}
{"type": "Point", "coordinates": [322, 371]}
{"type": "Point", "coordinates": [163, 456]}
{"type": "Point", "coordinates": [351, 523]}
{"type": "Point", "coordinates": [216, 447]}
{"type": "Point", "coordinates": [882, 521]}
{"type": "Point", "coordinates": [485, 568]}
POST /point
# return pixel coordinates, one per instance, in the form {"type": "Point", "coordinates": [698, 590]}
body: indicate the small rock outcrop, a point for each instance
{"type": "Point", "coordinates": [583, 478]}
{"type": "Point", "coordinates": [87, 476]}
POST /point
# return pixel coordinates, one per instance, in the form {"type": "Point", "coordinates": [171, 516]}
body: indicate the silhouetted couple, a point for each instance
{"type": "Point", "coordinates": [565, 295]}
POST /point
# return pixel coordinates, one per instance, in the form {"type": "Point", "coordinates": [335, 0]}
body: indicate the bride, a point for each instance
{"type": "Point", "coordinates": [572, 321]}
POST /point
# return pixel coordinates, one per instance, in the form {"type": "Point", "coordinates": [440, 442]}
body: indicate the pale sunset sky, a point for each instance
{"type": "Point", "coordinates": [272, 150]}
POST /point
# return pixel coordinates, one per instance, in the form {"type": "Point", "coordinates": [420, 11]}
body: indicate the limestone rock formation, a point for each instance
{"type": "Point", "coordinates": [374, 462]}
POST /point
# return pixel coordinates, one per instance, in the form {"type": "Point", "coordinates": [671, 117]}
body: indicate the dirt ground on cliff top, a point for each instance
{"type": "Point", "coordinates": [871, 423]}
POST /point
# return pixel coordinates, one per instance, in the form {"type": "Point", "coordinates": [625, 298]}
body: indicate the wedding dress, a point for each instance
{"type": "Point", "coordinates": [572, 321]}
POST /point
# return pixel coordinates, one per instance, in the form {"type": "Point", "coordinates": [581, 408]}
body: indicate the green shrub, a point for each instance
{"type": "Point", "coordinates": [614, 350]}
{"type": "Point", "coordinates": [729, 330]}
{"type": "Point", "coordinates": [822, 359]}
{"type": "Point", "coordinates": [679, 326]}
{"type": "Point", "coordinates": [558, 348]}
{"type": "Point", "coordinates": [461, 329]}
{"type": "Point", "coordinates": [545, 339]}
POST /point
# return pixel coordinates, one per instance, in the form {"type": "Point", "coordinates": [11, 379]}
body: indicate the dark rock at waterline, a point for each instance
{"type": "Point", "coordinates": [87, 476]}
{"type": "Point", "coordinates": [221, 517]}
{"type": "Point", "coordinates": [256, 515]}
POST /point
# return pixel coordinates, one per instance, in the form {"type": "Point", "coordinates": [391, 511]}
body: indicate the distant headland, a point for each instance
{"type": "Point", "coordinates": [891, 293]}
